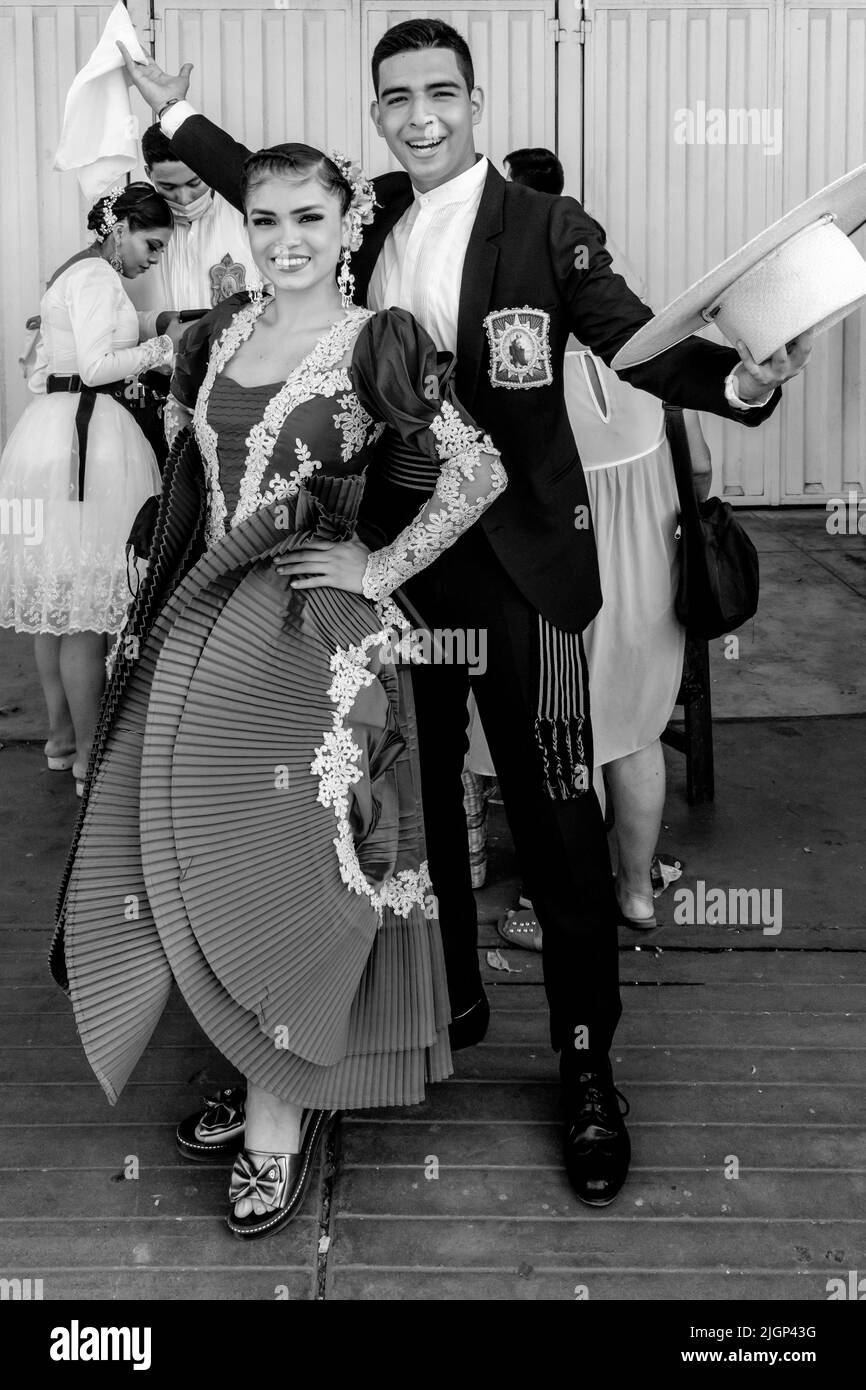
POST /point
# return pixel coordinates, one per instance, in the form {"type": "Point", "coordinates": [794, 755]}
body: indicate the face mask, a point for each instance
{"type": "Point", "coordinates": [191, 212]}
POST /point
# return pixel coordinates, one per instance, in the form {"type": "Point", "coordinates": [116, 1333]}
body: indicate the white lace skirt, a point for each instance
{"type": "Point", "coordinates": [634, 648]}
{"type": "Point", "coordinates": [62, 562]}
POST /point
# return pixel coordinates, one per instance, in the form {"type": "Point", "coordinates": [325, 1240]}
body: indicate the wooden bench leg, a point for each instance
{"type": "Point", "coordinates": [698, 714]}
{"type": "Point", "coordinates": [696, 739]}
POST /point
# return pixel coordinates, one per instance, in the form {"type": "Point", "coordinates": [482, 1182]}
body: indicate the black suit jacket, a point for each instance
{"type": "Point", "coordinates": [537, 250]}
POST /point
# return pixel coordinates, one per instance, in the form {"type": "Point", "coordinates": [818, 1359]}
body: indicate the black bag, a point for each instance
{"type": "Point", "coordinates": [144, 396]}
{"type": "Point", "coordinates": [718, 584]}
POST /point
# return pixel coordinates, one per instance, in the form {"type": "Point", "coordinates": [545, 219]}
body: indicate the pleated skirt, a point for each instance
{"type": "Point", "coordinates": [207, 850]}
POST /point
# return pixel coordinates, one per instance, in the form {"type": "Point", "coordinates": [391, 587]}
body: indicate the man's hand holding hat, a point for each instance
{"type": "Point", "coordinates": [756, 381]}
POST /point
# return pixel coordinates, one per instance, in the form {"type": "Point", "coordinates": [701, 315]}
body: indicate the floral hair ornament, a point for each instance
{"type": "Point", "coordinates": [360, 213]}
{"type": "Point", "coordinates": [108, 218]}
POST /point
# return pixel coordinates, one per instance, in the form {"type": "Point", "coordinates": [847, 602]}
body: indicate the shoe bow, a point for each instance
{"type": "Point", "coordinates": [219, 1112]}
{"type": "Point", "coordinates": [262, 1182]}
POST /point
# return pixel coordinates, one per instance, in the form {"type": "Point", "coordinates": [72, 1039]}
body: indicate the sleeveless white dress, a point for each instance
{"type": "Point", "coordinates": [62, 560]}
{"type": "Point", "coordinates": [634, 647]}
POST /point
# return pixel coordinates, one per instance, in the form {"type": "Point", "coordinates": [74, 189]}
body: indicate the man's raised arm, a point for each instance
{"type": "Point", "coordinates": [208, 150]}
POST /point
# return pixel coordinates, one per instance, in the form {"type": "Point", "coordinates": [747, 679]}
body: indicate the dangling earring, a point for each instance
{"type": "Point", "coordinates": [346, 280]}
{"type": "Point", "coordinates": [256, 294]}
{"type": "Point", "coordinates": [114, 259]}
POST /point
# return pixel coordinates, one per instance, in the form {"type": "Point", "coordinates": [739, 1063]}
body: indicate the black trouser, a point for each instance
{"type": "Point", "coordinates": [561, 845]}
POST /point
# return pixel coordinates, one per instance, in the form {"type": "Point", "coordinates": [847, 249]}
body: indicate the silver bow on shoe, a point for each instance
{"type": "Point", "coordinates": [267, 1181]}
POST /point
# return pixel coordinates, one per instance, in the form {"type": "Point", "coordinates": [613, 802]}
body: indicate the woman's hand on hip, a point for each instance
{"type": "Point", "coordinates": [325, 565]}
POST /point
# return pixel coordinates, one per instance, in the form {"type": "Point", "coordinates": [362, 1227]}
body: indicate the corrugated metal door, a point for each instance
{"type": "Point", "coordinates": [268, 73]}
{"type": "Point", "coordinates": [42, 216]}
{"type": "Point", "coordinates": [677, 208]}
{"type": "Point", "coordinates": [303, 71]}
{"type": "Point", "coordinates": [824, 437]}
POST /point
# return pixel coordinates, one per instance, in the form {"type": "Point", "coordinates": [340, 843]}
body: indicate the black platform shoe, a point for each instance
{"type": "Point", "coordinates": [217, 1132]}
{"type": "Point", "coordinates": [279, 1181]}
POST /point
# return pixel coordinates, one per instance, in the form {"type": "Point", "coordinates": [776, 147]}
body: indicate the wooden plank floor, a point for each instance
{"type": "Point", "coordinates": [733, 1045]}
{"type": "Point", "coordinates": [753, 1056]}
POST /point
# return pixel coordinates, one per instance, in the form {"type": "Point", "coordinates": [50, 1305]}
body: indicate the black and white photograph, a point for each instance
{"type": "Point", "coordinates": [433, 666]}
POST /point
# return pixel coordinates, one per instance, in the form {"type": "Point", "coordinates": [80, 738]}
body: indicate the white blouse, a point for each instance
{"type": "Point", "coordinates": [90, 328]}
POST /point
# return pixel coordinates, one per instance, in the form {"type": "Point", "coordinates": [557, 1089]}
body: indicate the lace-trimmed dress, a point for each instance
{"type": "Point", "coordinates": [62, 556]}
{"type": "Point", "coordinates": [258, 797]}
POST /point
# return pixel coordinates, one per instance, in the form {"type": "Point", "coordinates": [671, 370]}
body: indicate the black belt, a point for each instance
{"type": "Point", "coordinates": [82, 414]}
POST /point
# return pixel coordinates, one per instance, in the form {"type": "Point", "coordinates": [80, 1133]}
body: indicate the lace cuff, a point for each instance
{"type": "Point", "coordinates": [472, 477]}
{"type": "Point", "coordinates": [175, 417]}
{"type": "Point", "coordinates": [156, 352]}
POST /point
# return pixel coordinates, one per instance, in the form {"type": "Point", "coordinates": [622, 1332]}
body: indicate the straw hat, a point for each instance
{"type": "Point", "coordinates": [802, 273]}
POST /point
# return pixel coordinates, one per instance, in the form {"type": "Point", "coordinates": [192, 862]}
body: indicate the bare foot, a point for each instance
{"type": "Point", "coordinates": [636, 906]}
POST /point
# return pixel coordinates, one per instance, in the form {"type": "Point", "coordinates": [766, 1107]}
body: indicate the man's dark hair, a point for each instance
{"type": "Point", "coordinates": [415, 34]}
{"type": "Point", "coordinates": [537, 168]}
{"type": "Point", "coordinates": [156, 149]}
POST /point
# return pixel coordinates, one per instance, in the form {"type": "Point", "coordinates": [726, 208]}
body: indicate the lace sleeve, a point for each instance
{"type": "Point", "coordinates": [472, 477]}
{"type": "Point", "coordinates": [401, 380]}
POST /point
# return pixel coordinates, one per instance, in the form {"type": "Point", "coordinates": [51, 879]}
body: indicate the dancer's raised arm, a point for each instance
{"type": "Point", "coordinates": [208, 150]}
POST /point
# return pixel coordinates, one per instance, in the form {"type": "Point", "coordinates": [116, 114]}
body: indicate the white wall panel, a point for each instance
{"type": "Point", "coordinates": [42, 216]}
{"type": "Point", "coordinates": [303, 72]}
{"type": "Point", "coordinates": [824, 440]}
{"type": "Point", "coordinates": [676, 209]}
{"type": "Point", "coordinates": [267, 74]}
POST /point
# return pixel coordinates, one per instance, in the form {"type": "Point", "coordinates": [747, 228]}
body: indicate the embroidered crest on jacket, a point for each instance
{"type": "Point", "coordinates": [227, 277]}
{"type": "Point", "coordinates": [519, 348]}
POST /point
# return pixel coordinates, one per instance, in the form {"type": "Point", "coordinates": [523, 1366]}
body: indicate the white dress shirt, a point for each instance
{"type": "Point", "coordinates": [420, 265]}
{"type": "Point", "coordinates": [205, 262]}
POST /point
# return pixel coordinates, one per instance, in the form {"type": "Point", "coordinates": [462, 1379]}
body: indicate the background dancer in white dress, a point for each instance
{"type": "Point", "coordinates": [77, 467]}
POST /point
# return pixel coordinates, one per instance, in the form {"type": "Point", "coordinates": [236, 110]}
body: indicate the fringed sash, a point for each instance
{"type": "Point", "coordinates": [560, 719]}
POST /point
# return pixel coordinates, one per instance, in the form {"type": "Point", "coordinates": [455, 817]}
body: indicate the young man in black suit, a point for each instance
{"type": "Point", "coordinates": [501, 275]}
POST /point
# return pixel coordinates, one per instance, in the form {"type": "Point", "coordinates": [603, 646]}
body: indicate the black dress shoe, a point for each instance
{"type": "Point", "coordinates": [597, 1146]}
{"type": "Point", "coordinates": [469, 1026]}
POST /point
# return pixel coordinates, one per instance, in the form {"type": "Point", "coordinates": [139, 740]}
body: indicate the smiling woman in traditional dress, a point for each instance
{"type": "Point", "coordinates": [257, 785]}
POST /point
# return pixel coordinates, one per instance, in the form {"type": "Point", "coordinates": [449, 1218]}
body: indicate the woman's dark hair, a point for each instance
{"type": "Point", "coordinates": [537, 168]}
{"type": "Point", "coordinates": [156, 148]}
{"type": "Point", "coordinates": [300, 160]}
{"type": "Point", "coordinates": [139, 205]}
{"type": "Point", "coordinates": [415, 34]}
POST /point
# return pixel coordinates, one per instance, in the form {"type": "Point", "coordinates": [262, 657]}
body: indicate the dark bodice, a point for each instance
{"type": "Point", "coordinates": [369, 373]}
{"type": "Point", "coordinates": [232, 411]}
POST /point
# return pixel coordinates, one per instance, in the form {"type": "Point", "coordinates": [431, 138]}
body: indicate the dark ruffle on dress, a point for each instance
{"type": "Point", "coordinates": [206, 849]}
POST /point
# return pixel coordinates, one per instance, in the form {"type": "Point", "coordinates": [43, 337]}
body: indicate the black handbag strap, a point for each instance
{"type": "Point", "coordinates": [678, 440]}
